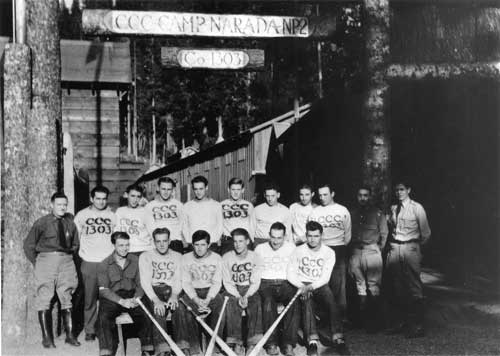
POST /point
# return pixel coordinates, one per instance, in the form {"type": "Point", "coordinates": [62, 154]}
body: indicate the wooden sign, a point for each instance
{"type": "Point", "coordinates": [101, 22]}
{"type": "Point", "coordinates": [212, 58]}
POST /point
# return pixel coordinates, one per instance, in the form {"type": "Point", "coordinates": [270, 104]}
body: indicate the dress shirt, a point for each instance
{"type": "Point", "coordinates": [411, 223]}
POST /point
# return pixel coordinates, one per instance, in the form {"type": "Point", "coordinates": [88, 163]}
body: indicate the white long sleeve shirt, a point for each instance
{"type": "Point", "coordinates": [265, 215]}
{"type": "Point", "coordinates": [300, 213]}
{"type": "Point", "coordinates": [204, 272]}
{"type": "Point", "coordinates": [236, 214]}
{"type": "Point", "coordinates": [133, 222]}
{"type": "Point", "coordinates": [95, 228]}
{"type": "Point", "coordinates": [155, 269]}
{"type": "Point", "coordinates": [275, 262]}
{"type": "Point", "coordinates": [336, 222]}
{"type": "Point", "coordinates": [203, 215]}
{"type": "Point", "coordinates": [309, 266]}
{"type": "Point", "coordinates": [241, 271]}
{"type": "Point", "coordinates": [169, 214]}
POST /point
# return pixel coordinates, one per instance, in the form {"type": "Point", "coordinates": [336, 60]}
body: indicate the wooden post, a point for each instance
{"type": "Point", "coordinates": [134, 124]}
{"type": "Point", "coordinates": [69, 180]}
{"type": "Point", "coordinates": [153, 148]}
{"type": "Point", "coordinates": [17, 97]}
{"type": "Point", "coordinates": [377, 149]}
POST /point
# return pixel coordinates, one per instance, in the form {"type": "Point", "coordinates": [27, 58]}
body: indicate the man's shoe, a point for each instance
{"type": "Point", "coordinates": [341, 347]}
{"type": "Point", "coordinates": [288, 350]}
{"type": "Point", "coordinates": [145, 353]}
{"type": "Point", "coordinates": [273, 350]}
{"type": "Point", "coordinates": [312, 349]}
{"type": "Point", "coordinates": [186, 352]}
{"type": "Point", "coordinates": [90, 337]}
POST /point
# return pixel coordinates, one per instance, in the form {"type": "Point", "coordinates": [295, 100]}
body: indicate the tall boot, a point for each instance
{"type": "Point", "coordinates": [361, 318]}
{"type": "Point", "coordinates": [416, 318]}
{"type": "Point", "coordinates": [68, 326]}
{"type": "Point", "coordinates": [374, 315]}
{"type": "Point", "coordinates": [45, 319]}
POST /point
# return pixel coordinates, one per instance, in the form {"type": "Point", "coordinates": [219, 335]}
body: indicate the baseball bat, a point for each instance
{"type": "Point", "coordinates": [268, 333]}
{"type": "Point", "coordinates": [211, 344]}
{"type": "Point", "coordinates": [167, 337]}
{"type": "Point", "coordinates": [219, 341]}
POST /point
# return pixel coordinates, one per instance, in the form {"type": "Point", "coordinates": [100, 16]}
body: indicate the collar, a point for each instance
{"type": "Point", "coordinates": [112, 260]}
{"type": "Point", "coordinates": [406, 202]}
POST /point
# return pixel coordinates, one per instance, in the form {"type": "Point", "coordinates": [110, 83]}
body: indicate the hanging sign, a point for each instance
{"type": "Point", "coordinates": [212, 58]}
{"type": "Point", "coordinates": [192, 24]}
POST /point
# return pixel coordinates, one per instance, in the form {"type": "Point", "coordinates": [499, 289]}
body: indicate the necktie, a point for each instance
{"type": "Point", "coordinates": [61, 235]}
{"type": "Point", "coordinates": [398, 210]}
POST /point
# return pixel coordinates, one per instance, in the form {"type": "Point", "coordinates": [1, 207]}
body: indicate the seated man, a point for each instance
{"type": "Point", "coordinates": [310, 267]}
{"type": "Point", "coordinates": [241, 276]}
{"type": "Point", "coordinates": [274, 289]}
{"type": "Point", "coordinates": [202, 281]}
{"type": "Point", "coordinates": [160, 271]}
{"type": "Point", "coordinates": [119, 286]}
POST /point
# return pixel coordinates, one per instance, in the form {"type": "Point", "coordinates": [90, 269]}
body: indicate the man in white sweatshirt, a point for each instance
{"type": "Point", "coordinates": [336, 222]}
{"type": "Point", "coordinates": [309, 270]}
{"type": "Point", "coordinates": [267, 213]}
{"type": "Point", "coordinates": [166, 211]}
{"type": "Point", "coordinates": [300, 212]}
{"type": "Point", "coordinates": [203, 213]}
{"type": "Point", "coordinates": [201, 282]}
{"type": "Point", "coordinates": [160, 276]}
{"type": "Point", "coordinates": [236, 213]}
{"type": "Point", "coordinates": [132, 220]}
{"type": "Point", "coordinates": [274, 289]}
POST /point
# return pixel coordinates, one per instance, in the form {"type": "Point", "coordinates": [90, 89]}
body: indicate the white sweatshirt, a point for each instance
{"type": "Point", "coordinates": [300, 213]}
{"type": "Point", "coordinates": [265, 215]}
{"type": "Point", "coordinates": [236, 214]}
{"type": "Point", "coordinates": [309, 266]}
{"type": "Point", "coordinates": [155, 269]}
{"type": "Point", "coordinates": [336, 222]}
{"type": "Point", "coordinates": [169, 214]}
{"type": "Point", "coordinates": [95, 228]}
{"type": "Point", "coordinates": [204, 272]}
{"type": "Point", "coordinates": [133, 222]}
{"type": "Point", "coordinates": [275, 262]}
{"type": "Point", "coordinates": [203, 215]}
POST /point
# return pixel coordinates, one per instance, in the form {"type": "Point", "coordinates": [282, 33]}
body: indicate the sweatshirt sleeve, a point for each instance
{"type": "Point", "coordinates": [288, 225]}
{"type": "Point", "coordinates": [145, 273]}
{"type": "Point", "coordinates": [256, 275]}
{"type": "Point", "coordinates": [30, 242]}
{"type": "Point", "coordinates": [219, 228]}
{"type": "Point", "coordinates": [226, 276]}
{"type": "Point", "coordinates": [292, 270]}
{"type": "Point", "coordinates": [185, 223]}
{"type": "Point", "coordinates": [327, 270]}
{"type": "Point", "coordinates": [177, 282]}
{"type": "Point", "coordinates": [251, 226]}
{"type": "Point", "coordinates": [139, 291]}
{"type": "Point", "coordinates": [217, 279]}
{"type": "Point", "coordinates": [187, 283]}
{"type": "Point", "coordinates": [347, 228]}
{"type": "Point", "coordinates": [104, 283]}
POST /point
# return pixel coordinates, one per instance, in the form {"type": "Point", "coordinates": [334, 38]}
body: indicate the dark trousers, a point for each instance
{"type": "Point", "coordinates": [180, 321]}
{"type": "Point", "coordinates": [234, 319]}
{"type": "Point", "coordinates": [89, 281]}
{"type": "Point", "coordinates": [273, 292]}
{"type": "Point", "coordinates": [338, 278]}
{"type": "Point", "coordinates": [321, 300]}
{"type": "Point", "coordinates": [215, 306]}
{"type": "Point", "coordinates": [107, 333]}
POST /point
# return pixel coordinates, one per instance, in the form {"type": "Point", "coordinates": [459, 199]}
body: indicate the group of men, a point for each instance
{"type": "Point", "coordinates": [183, 259]}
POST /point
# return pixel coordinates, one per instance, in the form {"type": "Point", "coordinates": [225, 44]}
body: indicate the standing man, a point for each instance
{"type": "Point", "coordinates": [410, 230]}
{"type": "Point", "coordinates": [132, 220]}
{"type": "Point", "coordinates": [160, 271]}
{"type": "Point", "coordinates": [268, 213]}
{"type": "Point", "coordinates": [274, 289]}
{"type": "Point", "coordinates": [241, 273]}
{"type": "Point", "coordinates": [309, 270]}
{"type": "Point", "coordinates": [369, 234]}
{"type": "Point", "coordinates": [236, 213]}
{"type": "Point", "coordinates": [50, 246]}
{"type": "Point", "coordinates": [201, 282]}
{"type": "Point", "coordinates": [119, 286]}
{"type": "Point", "coordinates": [336, 222]}
{"type": "Point", "coordinates": [95, 225]}
{"type": "Point", "coordinates": [166, 211]}
{"type": "Point", "coordinates": [203, 213]}
{"type": "Point", "coordinates": [300, 213]}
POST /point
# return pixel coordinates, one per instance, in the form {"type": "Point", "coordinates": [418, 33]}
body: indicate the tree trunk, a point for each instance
{"type": "Point", "coordinates": [376, 155]}
{"type": "Point", "coordinates": [15, 216]}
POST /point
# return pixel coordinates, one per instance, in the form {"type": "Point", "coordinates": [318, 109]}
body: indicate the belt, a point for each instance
{"type": "Point", "coordinates": [405, 242]}
{"type": "Point", "coordinates": [57, 253]}
{"type": "Point", "coordinates": [273, 281]}
{"type": "Point", "coordinates": [362, 246]}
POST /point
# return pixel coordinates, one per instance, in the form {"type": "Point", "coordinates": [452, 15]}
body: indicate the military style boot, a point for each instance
{"type": "Point", "coordinates": [45, 319]}
{"type": "Point", "coordinates": [68, 326]}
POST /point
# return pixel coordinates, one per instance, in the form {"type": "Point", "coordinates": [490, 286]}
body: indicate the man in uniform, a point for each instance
{"type": "Point", "coordinates": [201, 282]}
{"type": "Point", "coordinates": [241, 277]}
{"type": "Point", "coordinates": [269, 212]}
{"type": "Point", "coordinates": [160, 271]}
{"type": "Point", "coordinates": [166, 211]}
{"type": "Point", "coordinates": [274, 289]}
{"type": "Point", "coordinates": [300, 213]}
{"type": "Point", "coordinates": [132, 220]}
{"type": "Point", "coordinates": [119, 286]}
{"type": "Point", "coordinates": [369, 234]}
{"type": "Point", "coordinates": [50, 246]}
{"type": "Point", "coordinates": [95, 225]}
{"type": "Point", "coordinates": [236, 213]}
{"type": "Point", "coordinates": [336, 222]}
{"type": "Point", "coordinates": [410, 230]}
{"type": "Point", "coordinates": [309, 270]}
{"type": "Point", "coordinates": [203, 213]}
